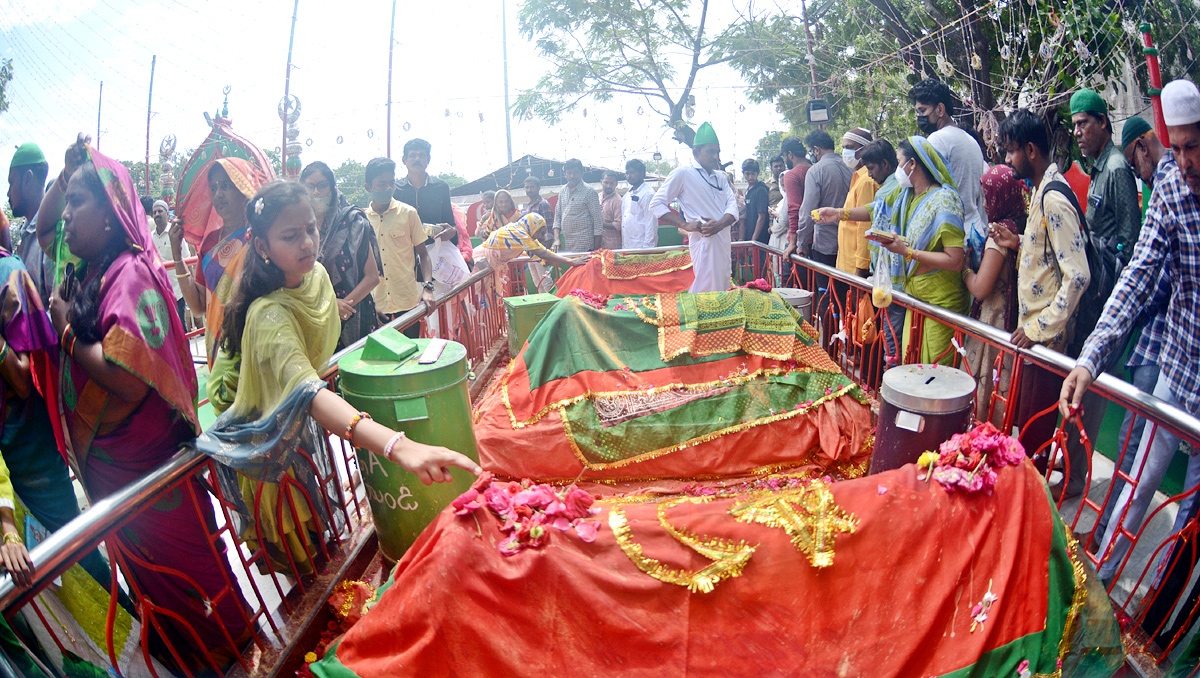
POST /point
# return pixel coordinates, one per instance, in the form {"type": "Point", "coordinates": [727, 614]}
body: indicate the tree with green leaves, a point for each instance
{"type": "Point", "coordinates": [651, 49]}
{"type": "Point", "coordinates": [996, 54]}
{"type": "Point", "coordinates": [6, 76]}
{"type": "Point", "coordinates": [452, 179]}
{"type": "Point", "coordinates": [351, 177]}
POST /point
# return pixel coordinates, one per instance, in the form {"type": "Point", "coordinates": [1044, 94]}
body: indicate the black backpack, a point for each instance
{"type": "Point", "coordinates": [1103, 264]}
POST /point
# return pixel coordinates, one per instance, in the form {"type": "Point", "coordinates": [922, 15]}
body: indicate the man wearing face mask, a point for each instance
{"type": "Point", "coordinates": [934, 105]}
{"type": "Point", "coordinates": [853, 255]}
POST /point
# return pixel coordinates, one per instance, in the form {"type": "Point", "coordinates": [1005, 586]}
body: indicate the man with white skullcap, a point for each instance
{"type": "Point", "coordinates": [853, 256]}
{"type": "Point", "coordinates": [160, 215]}
{"type": "Point", "coordinates": [1170, 240]}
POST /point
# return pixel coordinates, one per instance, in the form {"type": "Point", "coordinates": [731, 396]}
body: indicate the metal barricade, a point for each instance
{"type": "Point", "coordinates": [278, 607]}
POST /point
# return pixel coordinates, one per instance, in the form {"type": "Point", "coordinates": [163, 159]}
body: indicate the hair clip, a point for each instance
{"type": "Point", "coordinates": [258, 207]}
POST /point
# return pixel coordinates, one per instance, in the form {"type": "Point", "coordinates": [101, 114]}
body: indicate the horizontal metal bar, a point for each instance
{"type": "Point", "coordinates": [67, 545]}
{"type": "Point", "coordinates": [1121, 392]}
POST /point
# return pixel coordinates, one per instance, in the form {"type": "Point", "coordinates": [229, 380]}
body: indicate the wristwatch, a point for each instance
{"type": "Point", "coordinates": [429, 285]}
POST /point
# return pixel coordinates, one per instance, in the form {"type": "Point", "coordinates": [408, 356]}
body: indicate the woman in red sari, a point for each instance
{"type": "Point", "coordinates": [128, 392]}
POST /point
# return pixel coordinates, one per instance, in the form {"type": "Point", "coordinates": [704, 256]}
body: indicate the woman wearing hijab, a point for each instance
{"type": "Point", "coordinates": [528, 235]}
{"type": "Point", "coordinates": [222, 195]}
{"type": "Point", "coordinates": [994, 285]}
{"type": "Point", "coordinates": [128, 393]}
{"type": "Point", "coordinates": [504, 212]}
{"type": "Point", "coordinates": [349, 253]}
{"type": "Point", "coordinates": [926, 212]}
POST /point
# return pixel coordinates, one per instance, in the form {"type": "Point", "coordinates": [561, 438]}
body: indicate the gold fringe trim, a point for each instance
{"type": "Point", "coordinates": [654, 454]}
{"type": "Point", "coordinates": [729, 558]}
{"type": "Point", "coordinates": [703, 386]}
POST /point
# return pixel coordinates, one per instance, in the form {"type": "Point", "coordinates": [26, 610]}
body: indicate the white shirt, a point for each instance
{"type": "Point", "coordinates": [639, 227]}
{"type": "Point", "coordinates": [162, 243]}
{"type": "Point", "coordinates": [968, 166]}
{"type": "Point", "coordinates": [702, 196]}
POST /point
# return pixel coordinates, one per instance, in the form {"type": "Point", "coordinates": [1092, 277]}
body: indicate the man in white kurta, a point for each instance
{"type": "Point", "coordinates": [639, 228]}
{"type": "Point", "coordinates": [707, 206]}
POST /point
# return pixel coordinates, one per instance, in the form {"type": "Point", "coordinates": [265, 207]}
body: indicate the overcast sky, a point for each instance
{"type": "Point", "coordinates": [447, 57]}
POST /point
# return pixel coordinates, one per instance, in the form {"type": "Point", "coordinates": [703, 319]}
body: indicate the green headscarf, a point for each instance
{"type": "Point", "coordinates": [933, 162]}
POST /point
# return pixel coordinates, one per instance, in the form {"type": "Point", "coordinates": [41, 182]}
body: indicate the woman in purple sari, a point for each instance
{"type": "Point", "coordinates": [128, 392]}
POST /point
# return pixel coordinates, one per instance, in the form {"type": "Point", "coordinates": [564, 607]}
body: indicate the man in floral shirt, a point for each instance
{"type": "Point", "coordinates": [1052, 275]}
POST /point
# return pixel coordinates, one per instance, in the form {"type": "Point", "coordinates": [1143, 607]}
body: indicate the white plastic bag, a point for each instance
{"type": "Point", "coordinates": [881, 283]}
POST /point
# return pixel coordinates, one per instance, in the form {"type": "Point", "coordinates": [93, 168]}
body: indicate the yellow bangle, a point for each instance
{"type": "Point", "coordinates": [13, 538]}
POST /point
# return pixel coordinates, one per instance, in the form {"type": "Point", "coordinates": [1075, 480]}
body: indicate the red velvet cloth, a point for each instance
{"type": "Point", "coordinates": [896, 601]}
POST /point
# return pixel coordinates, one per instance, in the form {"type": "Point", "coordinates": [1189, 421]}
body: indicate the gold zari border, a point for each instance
{"type": "Point", "coordinates": [729, 557]}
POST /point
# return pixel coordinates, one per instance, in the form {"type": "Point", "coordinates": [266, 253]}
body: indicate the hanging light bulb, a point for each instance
{"type": "Point", "coordinates": [1005, 53]}
{"type": "Point", "coordinates": [977, 63]}
{"type": "Point", "coordinates": [1045, 51]}
{"type": "Point", "coordinates": [1082, 50]}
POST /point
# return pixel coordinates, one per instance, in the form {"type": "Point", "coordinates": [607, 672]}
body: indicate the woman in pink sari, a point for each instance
{"type": "Point", "coordinates": [128, 392]}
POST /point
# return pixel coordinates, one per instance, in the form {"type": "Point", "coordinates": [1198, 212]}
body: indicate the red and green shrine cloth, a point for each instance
{"type": "Point", "coordinates": [743, 389]}
{"type": "Point", "coordinates": [607, 273]}
{"type": "Point", "coordinates": [907, 569]}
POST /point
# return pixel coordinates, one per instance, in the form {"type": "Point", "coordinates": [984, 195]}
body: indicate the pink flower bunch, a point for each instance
{"type": "Point", "coordinates": [597, 301]}
{"type": "Point", "coordinates": [759, 284]}
{"type": "Point", "coordinates": [968, 461]}
{"type": "Point", "coordinates": [528, 511]}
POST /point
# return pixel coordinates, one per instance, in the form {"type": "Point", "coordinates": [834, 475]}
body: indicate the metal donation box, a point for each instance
{"type": "Point", "coordinates": [523, 314]}
{"type": "Point", "coordinates": [920, 407]}
{"type": "Point", "coordinates": [410, 386]}
{"type": "Point", "coordinates": [799, 299]}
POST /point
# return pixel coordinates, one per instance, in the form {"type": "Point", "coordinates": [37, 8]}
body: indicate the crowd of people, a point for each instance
{"type": "Point", "coordinates": [288, 271]}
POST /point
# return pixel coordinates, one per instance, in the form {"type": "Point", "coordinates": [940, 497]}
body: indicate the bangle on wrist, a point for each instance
{"type": "Point", "coordinates": [391, 445]}
{"type": "Point", "coordinates": [62, 340]}
{"type": "Point", "coordinates": [13, 538]}
{"type": "Point", "coordinates": [354, 421]}
{"type": "Point", "coordinates": [62, 180]}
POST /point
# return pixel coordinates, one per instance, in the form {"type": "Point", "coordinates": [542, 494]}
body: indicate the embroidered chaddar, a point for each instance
{"type": "Point", "coordinates": [895, 601]}
{"type": "Point", "coordinates": [608, 273]}
{"type": "Point", "coordinates": [590, 394]}
{"type": "Point", "coordinates": [758, 323]}
{"type": "Point", "coordinates": [619, 266]}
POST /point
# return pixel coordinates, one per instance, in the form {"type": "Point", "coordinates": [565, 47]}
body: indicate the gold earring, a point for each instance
{"type": "Point", "coordinates": [266, 261]}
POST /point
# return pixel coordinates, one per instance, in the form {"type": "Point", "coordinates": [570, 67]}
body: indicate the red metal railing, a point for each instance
{"type": "Point", "coordinates": [276, 606]}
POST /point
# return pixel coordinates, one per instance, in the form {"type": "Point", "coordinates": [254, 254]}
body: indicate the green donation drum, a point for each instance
{"type": "Point", "coordinates": [430, 403]}
{"type": "Point", "coordinates": [523, 314]}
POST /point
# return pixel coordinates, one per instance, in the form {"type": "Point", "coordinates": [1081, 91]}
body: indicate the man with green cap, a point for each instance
{"type": "Point", "coordinates": [26, 187]}
{"type": "Point", "coordinates": [1113, 214]}
{"type": "Point", "coordinates": [1114, 219]}
{"type": "Point", "coordinates": [707, 208]}
{"type": "Point", "coordinates": [1142, 151]}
